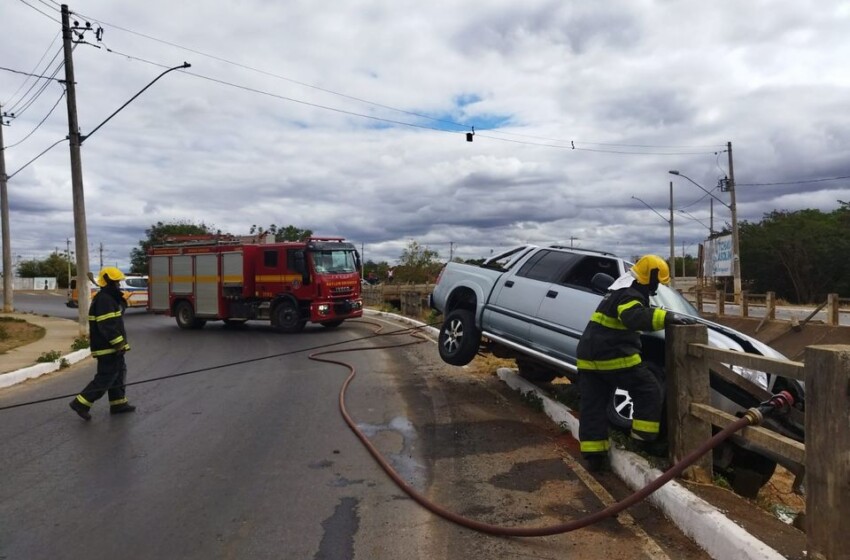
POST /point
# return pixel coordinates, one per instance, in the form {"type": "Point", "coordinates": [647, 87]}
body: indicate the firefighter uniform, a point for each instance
{"type": "Point", "coordinates": [108, 341]}
{"type": "Point", "coordinates": [608, 356]}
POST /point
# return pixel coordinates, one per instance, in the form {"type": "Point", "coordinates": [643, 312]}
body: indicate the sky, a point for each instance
{"type": "Point", "coordinates": [350, 118]}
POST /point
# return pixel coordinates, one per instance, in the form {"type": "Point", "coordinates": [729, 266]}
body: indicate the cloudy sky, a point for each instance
{"type": "Point", "coordinates": [350, 118]}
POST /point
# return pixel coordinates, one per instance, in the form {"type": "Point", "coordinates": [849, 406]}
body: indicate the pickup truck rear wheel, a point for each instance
{"type": "Point", "coordinates": [535, 371]}
{"type": "Point", "coordinates": [459, 338]}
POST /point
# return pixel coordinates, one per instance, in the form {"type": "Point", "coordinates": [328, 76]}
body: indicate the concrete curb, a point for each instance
{"type": "Point", "coordinates": [715, 533]}
{"type": "Point", "coordinates": [21, 375]}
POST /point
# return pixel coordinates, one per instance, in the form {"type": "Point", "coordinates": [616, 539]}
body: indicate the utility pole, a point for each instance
{"type": "Point", "coordinates": [736, 244]}
{"type": "Point", "coordinates": [451, 250]}
{"type": "Point", "coordinates": [68, 258]}
{"type": "Point", "coordinates": [8, 297]}
{"type": "Point", "coordinates": [74, 140]}
{"type": "Point", "coordinates": [672, 248]}
{"type": "Point", "coordinates": [100, 252]}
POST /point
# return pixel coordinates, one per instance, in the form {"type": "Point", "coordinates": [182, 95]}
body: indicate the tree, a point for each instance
{"type": "Point", "coordinates": [157, 235]}
{"type": "Point", "coordinates": [54, 266]}
{"type": "Point", "coordinates": [288, 233]}
{"type": "Point", "coordinates": [417, 264]}
{"type": "Point", "coordinates": [798, 255]}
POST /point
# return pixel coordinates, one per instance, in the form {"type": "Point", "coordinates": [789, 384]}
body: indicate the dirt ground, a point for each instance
{"type": "Point", "coordinates": [773, 517]}
{"type": "Point", "coordinates": [17, 332]}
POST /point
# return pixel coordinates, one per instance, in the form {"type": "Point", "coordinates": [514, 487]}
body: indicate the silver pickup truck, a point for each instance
{"type": "Point", "coordinates": [532, 304]}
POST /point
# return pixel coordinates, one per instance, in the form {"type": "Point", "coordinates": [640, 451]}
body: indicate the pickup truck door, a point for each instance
{"type": "Point", "coordinates": [567, 306]}
{"type": "Point", "coordinates": [517, 296]}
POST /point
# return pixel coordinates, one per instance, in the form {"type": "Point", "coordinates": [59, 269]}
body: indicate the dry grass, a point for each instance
{"type": "Point", "coordinates": [17, 332]}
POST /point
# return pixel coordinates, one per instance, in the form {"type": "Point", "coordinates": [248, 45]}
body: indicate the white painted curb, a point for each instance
{"type": "Point", "coordinates": [21, 375]}
{"type": "Point", "coordinates": [715, 533]}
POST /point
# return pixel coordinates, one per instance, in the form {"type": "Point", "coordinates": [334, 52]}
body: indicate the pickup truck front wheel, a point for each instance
{"type": "Point", "coordinates": [459, 338]}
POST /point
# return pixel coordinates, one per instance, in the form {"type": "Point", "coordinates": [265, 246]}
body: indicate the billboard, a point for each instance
{"type": "Point", "coordinates": [718, 256]}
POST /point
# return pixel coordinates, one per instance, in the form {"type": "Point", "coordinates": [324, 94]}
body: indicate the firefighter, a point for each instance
{"type": "Point", "coordinates": [608, 356]}
{"type": "Point", "coordinates": [108, 341]}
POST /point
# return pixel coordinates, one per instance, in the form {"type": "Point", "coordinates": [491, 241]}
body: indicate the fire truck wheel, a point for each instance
{"type": "Point", "coordinates": [287, 318]}
{"type": "Point", "coordinates": [332, 324]}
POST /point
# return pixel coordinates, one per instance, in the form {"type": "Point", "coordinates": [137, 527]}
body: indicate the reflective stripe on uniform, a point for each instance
{"type": "Point", "coordinates": [607, 321]}
{"type": "Point", "coordinates": [117, 339]}
{"type": "Point", "coordinates": [645, 426]}
{"type": "Point", "coordinates": [608, 365]}
{"type": "Point", "coordinates": [82, 400]}
{"type": "Point", "coordinates": [118, 401]}
{"type": "Point", "coordinates": [626, 306]}
{"type": "Point", "coordinates": [598, 446]}
{"type": "Point", "coordinates": [658, 319]}
{"type": "Point", "coordinates": [96, 353]}
{"type": "Point", "coordinates": [105, 316]}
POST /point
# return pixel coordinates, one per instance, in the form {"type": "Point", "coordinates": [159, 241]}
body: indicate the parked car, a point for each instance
{"type": "Point", "coordinates": [532, 304]}
{"type": "Point", "coordinates": [134, 289]}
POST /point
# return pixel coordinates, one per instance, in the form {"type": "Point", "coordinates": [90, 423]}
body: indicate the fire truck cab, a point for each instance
{"type": "Point", "coordinates": [196, 279]}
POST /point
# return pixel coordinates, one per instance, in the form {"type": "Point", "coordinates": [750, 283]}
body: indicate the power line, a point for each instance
{"type": "Point", "coordinates": [392, 121]}
{"type": "Point", "coordinates": [798, 182]}
{"type": "Point", "coordinates": [27, 74]}
{"type": "Point", "coordinates": [21, 141]}
{"type": "Point", "coordinates": [47, 50]}
{"type": "Point", "coordinates": [39, 11]}
{"type": "Point", "coordinates": [40, 91]}
{"type": "Point", "coordinates": [463, 127]}
{"type": "Point", "coordinates": [36, 157]}
{"type": "Point", "coordinates": [36, 81]}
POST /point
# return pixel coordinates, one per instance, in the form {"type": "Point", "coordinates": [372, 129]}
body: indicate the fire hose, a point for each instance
{"type": "Point", "coordinates": [776, 405]}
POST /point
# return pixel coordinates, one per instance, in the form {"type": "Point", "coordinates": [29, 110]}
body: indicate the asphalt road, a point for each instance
{"type": "Point", "coordinates": [254, 460]}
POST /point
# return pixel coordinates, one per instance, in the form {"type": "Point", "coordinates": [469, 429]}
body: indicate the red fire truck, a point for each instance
{"type": "Point", "coordinates": [196, 279]}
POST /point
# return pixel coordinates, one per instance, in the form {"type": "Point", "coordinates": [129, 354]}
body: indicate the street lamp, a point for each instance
{"type": "Point", "coordinates": [672, 263]}
{"type": "Point", "coordinates": [736, 248]}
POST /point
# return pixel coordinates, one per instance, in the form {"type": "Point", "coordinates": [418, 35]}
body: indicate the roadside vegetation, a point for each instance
{"type": "Point", "coordinates": [16, 332]}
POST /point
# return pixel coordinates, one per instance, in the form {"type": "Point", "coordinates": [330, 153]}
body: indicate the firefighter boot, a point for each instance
{"type": "Point", "coordinates": [81, 409]}
{"type": "Point", "coordinates": [121, 408]}
{"type": "Point", "coordinates": [597, 462]}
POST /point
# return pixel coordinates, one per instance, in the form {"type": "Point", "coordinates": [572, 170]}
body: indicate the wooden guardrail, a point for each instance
{"type": "Point", "coordinates": [826, 453]}
{"type": "Point", "coordinates": [410, 299]}
{"type": "Point", "coordinates": [833, 304]}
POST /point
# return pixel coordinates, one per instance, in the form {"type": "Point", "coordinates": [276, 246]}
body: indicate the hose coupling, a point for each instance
{"type": "Point", "coordinates": [778, 404]}
{"type": "Point", "coordinates": [754, 416]}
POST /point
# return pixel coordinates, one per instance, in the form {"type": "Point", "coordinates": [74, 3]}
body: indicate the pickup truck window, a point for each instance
{"type": "Point", "coordinates": [547, 266]}
{"type": "Point", "coordinates": [582, 273]}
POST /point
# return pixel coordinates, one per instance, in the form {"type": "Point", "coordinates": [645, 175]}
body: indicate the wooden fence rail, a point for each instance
{"type": "Point", "coordinates": [826, 453]}
{"type": "Point", "coordinates": [833, 304]}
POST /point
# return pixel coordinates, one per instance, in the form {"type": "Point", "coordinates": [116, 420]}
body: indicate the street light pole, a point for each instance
{"type": "Point", "coordinates": [736, 247]}
{"type": "Point", "coordinates": [672, 248]}
{"type": "Point", "coordinates": [672, 260]}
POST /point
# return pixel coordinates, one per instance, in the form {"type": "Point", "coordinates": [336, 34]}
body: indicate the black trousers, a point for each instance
{"type": "Point", "coordinates": [597, 391]}
{"type": "Point", "coordinates": [110, 377]}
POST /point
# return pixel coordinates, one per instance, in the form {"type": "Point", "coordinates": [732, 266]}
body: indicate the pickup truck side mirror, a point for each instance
{"type": "Point", "coordinates": [601, 282]}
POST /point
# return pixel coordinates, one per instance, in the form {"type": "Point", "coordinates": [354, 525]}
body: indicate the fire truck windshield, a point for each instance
{"type": "Point", "coordinates": [334, 262]}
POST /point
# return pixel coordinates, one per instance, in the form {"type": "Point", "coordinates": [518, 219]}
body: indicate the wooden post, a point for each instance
{"type": "Point", "coordinates": [832, 309]}
{"type": "Point", "coordinates": [687, 382]}
{"type": "Point", "coordinates": [770, 305]}
{"type": "Point", "coordinates": [745, 304]}
{"type": "Point", "coordinates": [827, 452]}
{"type": "Point", "coordinates": [721, 303]}
{"type": "Point", "coordinates": [699, 300]}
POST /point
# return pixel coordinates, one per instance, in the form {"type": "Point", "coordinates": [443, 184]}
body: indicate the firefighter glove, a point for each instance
{"type": "Point", "coordinates": [676, 319]}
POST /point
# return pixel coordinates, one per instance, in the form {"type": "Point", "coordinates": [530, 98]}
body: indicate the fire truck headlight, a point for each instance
{"type": "Point", "coordinates": [324, 309]}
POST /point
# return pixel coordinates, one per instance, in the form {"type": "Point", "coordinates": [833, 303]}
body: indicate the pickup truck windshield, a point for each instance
{"type": "Point", "coordinates": [334, 262]}
{"type": "Point", "coordinates": [672, 300]}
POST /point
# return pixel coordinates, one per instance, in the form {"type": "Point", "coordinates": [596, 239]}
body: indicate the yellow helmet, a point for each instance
{"type": "Point", "coordinates": [642, 270]}
{"type": "Point", "coordinates": [109, 272]}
